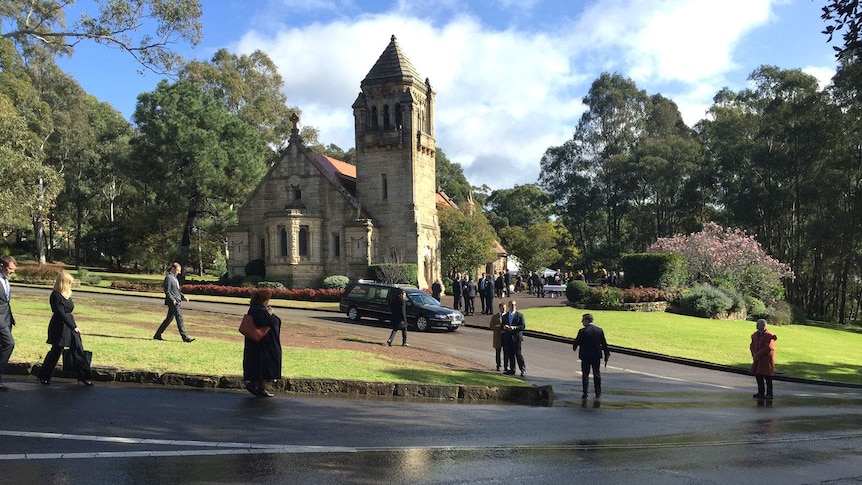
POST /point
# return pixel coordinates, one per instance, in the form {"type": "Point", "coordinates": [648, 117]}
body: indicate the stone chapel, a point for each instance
{"type": "Point", "coordinates": [313, 216]}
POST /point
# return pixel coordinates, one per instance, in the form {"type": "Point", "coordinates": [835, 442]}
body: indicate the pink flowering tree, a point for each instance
{"type": "Point", "coordinates": [728, 257]}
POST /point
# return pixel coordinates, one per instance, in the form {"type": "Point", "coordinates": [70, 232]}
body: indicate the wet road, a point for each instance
{"type": "Point", "coordinates": [657, 423]}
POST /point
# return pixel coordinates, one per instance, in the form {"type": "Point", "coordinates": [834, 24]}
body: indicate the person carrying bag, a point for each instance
{"type": "Point", "coordinates": [64, 332]}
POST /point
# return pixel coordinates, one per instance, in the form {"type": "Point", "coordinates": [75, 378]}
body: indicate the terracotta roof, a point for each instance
{"type": "Point", "coordinates": [392, 65]}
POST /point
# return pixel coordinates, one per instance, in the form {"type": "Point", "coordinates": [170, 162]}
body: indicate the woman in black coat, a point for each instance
{"type": "Point", "coordinates": [261, 361]}
{"type": "Point", "coordinates": [399, 320]}
{"type": "Point", "coordinates": [64, 332]}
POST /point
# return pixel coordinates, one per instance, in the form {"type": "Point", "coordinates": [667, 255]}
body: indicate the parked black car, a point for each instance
{"type": "Point", "coordinates": [366, 299]}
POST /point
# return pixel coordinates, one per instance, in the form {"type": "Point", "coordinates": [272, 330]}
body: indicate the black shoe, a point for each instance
{"type": "Point", "coordinates": [509, 372]}
{"type": "Point", "coordinates": [188, 340]}
{"type": "Point", "coordinates": [389, 343]}
{"type": "Point", "coordinates": [523, 373]}
{"type": "Point", "coordinates": [598, 395]}
{"type": "Point", "coordinates": [405, 344]}
{"type": "Point", "coordinates": [757, 396]}
{"type": "Point", "coordinates": [584, 395]}
{"type": "Point", "coordinates": [251, 389]}
{"type": "Point", "coordinates": [86, 382]}
{"type": "Point", "coordinates": [44, 381]}
{"type": "Point", "coordinates": [768, 397]}
{"type": "Point", "coordinates": [498, 368]}
{"type": "Point", "coordinates": [157, 337]}
{"type": "Point", "coordinates": [3, 387]}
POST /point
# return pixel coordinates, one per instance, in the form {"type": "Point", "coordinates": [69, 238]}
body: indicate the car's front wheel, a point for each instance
{"type": "Point", "coordinates": [353, 314]}
{"type": "Point", "coordinates": [422, 324]}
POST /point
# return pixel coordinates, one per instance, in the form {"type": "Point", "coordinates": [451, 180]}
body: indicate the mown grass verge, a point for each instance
{"type": "Point", "coordinates": [121, 336]}
{"type": "Point", "coordinates": [802, 351]}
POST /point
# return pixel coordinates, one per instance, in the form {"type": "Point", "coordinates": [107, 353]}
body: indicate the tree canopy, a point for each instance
{"type": "Point", "coordinates": [41, 27]}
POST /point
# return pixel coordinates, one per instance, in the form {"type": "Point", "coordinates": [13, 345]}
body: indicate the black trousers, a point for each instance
{"type": "Point", "coordinates": [173, 312]}
{"type": "Point", "coordinates": [596, 367]}
{"type": "Point", "coordinates": [7, 345]}
{"type": "Point", "coordinates": [81, 364]}
{"type": "Point", "coordinates": [764, 383]}
{"type": "Point", "coordinates": [513, 355]}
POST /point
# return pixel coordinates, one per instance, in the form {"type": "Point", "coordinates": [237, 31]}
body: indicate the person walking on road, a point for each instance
{"type": "Point", "coordinates": [399, 318]}
{"type": "Point", "coordinates": [64, 332]}
{"type": "Point", "coordinates": [457, 292]}
{"type": "Point", "coordinates": [591, 340]}
{"type": "Point", "coordinates": [763, 353]}
{"type": "Point", "coordinates": [7, 343]}
{"type": "Point", "coordinates": [173, 299]}
{"type": "Point", "coordinates": [513, 336]}
{"type": "Point", "coordinates": [261, 361]}
{"type": "Point", "coordinates": [497, 329]}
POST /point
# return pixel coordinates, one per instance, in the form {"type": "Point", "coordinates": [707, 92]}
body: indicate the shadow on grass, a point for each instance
{"type": "Point", "coordinates": [846, 373]}
{"type": "Point", "coordinates": [117, 336]}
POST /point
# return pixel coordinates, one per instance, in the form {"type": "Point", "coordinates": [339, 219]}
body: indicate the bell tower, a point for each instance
{"type": "Point", "coordinates": [395, 163]}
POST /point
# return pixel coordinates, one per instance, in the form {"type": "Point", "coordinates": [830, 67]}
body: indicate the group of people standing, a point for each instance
{"type": "Point", "coordinates": [486, 287]}
{"type": "Point", "coordinates": [508, 328]}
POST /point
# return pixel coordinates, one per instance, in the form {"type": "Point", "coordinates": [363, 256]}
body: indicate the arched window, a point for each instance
{"type": "Point", "coordinates": [374, 123]}
{"type": "Point", "coordinates": [303, 240]}
{"type": "Point", "coordinates": [398, 121]}
{"type": "Point", "coordinates": [385, 117]}
{"type": "Point", "coordinates": [282, 242]}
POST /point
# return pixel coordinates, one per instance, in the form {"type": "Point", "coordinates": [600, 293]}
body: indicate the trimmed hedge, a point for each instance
{"type": "Point", "coordinates": [662, 271]}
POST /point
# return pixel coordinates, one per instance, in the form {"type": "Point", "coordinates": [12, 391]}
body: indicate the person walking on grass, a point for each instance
{"type": "Point", "coordinates": [591, 340]}
{"type": "Point", "coordinates": [173, 299]}
{"type": "Point", "coordinates": [763, 354]}
{"type": "Point", "coordinates": [7, 321]}
{"type": "Point", "coordinates": [63, 332]}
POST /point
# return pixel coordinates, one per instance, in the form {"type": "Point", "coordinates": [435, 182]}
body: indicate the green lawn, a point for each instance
{"type": "Point", "coordinates": [801, 351]}
{"type": "Point", "coordinates": [118, 339]}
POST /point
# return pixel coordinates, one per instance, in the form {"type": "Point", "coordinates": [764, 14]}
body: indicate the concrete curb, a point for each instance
{"type": "Point", "coordinates": [532, 395]}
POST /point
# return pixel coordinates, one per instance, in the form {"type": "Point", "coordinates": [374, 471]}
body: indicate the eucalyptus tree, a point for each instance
{"type": "Point", "coordinates": [590, 176]}
{"type": "Point", "coordinates": [522, 205]}
{"type": "Point", "coordinates": [769, 145]}
{"type": "Point", "coordinates": [450, 178]}
{"type": "Point", "coordinates": [250, 87]}
{"type": "Point", "coordinates": [55, 27]}
{"type": "Point", "coordinates": [668, 197]}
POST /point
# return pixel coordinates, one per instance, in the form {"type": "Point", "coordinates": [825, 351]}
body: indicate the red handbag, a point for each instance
{"type": "Point", "coordinates": [250, 330]}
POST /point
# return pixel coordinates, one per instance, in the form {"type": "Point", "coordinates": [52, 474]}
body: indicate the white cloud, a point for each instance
{"type": "Point", "coordinates": [823, 74]}
{"type": "Point", "coordinates": [505, 96]}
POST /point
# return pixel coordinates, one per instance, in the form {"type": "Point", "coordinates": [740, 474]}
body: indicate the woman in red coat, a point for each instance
{"type": "Point", "coordinates": [763, 352]}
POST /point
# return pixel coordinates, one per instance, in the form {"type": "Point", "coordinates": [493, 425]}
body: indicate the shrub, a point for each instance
{"type": "Point", "coordinates": [251, 281]}
{"type": "Point", "coordinates": [606, 296]}
{"type": "Point", "coordinates": [665, 271]}
{"type": "Point", "coordinates": [577, 291]}
{"type": "Point", "coordinates": [705, 301]}
{"type": "Point", "coordinates": [144, 287]}
{"type": "Point", "coordinates": [87, 278]}
{"type": "Point", "coordinates": [640, 294]}
{"type": "Point", "coordinates": [256, 267]}
{"type": "Point", "coordinates": [335, 282]}
{"type": "Point", "coordinates": [756, 308]}
{"type": "Point", "coordinates": [270, 284]}
{"type": "Point", "coordinates": [32, 273]}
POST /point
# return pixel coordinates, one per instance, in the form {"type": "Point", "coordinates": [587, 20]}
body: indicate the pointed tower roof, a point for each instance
{"type": "Point", "coordinates": [392, 66]}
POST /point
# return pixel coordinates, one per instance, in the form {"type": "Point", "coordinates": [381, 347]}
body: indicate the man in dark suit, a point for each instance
{"type": "Point", "coordinates": [173, 299]}
{"type": "Point", "coordinates": [470, 296]}
{"type": "Point", "coordinates": [457, 291]}
{"type": "Point", "coordinates": [591, 340]}
{"type": "Point", "coordinates": [489, 293]}
{"type": "Point", "coordinates": [7, 343]}
{"type": "Point", "coordinates": [513, 335]}
{"type": "Point", "coordinates": [481, 290]}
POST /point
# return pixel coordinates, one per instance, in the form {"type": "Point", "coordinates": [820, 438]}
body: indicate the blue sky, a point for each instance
{"type": "Point", "coordinates": [510, 75]}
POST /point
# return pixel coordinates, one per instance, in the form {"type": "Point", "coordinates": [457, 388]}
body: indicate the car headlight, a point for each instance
{"type": "Point", "coordinates": [441, 316]}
